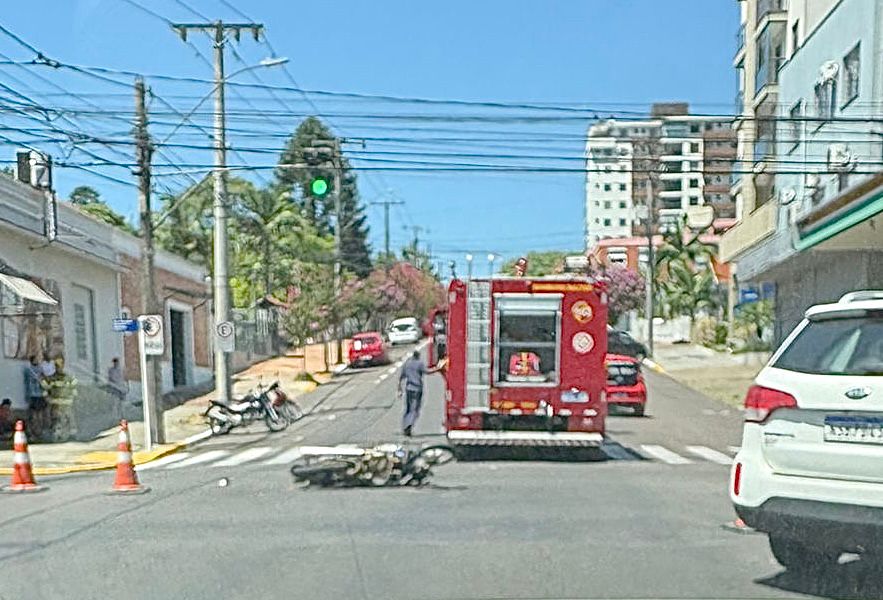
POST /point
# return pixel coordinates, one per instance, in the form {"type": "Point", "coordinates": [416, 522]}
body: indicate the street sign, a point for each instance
{"type": "Point", "coordinates": [748, 294]}
{"type": "Point", "coordinates": [225, 336]}
{"type": "Point", "coordinates": [125, 325]}
{"type": "Point", "coordinates": [151, 334]}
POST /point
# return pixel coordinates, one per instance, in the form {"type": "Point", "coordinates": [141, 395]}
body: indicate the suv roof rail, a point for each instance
{"type": "Point", "coordinates": [861, 295]}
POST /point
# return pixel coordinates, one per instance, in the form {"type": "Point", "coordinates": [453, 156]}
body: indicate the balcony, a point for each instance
{"type": "Point", "coordinates": [767, 7]}
{"type": "Point", "coordinates": [740, 102]}
{"type": "Point", "coordinates": [752, 229]}
{"type": "Point", "coordinates": [768, 73]}
{"type": "Point", "coordinates": [740, 39]}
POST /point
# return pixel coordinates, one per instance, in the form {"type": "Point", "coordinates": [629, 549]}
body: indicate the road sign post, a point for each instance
{"type": "Point", "coordinates": [150, 342]}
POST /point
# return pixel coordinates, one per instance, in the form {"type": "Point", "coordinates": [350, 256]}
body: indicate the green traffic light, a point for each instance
{"type": "Point", "coordinates": [319, 186]}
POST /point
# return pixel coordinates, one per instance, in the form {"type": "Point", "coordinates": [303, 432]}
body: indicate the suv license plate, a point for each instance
{"type": "Point", "coordinates": [859, 430]}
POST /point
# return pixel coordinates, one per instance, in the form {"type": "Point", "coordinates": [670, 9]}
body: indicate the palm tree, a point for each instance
{"type": "Point", "coordinates": [686, 291]}
{"type": "Point", "coordinates": [679, 244]}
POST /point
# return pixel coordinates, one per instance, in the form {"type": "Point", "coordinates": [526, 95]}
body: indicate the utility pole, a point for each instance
{"type": "Point", "coordinates": [219, 32]}
{"type": "Point", "coordinates": [386, 204]}
{"type": "Point", "coordinates": [153, 409]}
{"type": "Point", "coordinates": [651, 268]}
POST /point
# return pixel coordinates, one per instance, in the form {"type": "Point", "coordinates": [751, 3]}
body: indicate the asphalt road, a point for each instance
{"type": "Point", "coordinates": [646, 523]}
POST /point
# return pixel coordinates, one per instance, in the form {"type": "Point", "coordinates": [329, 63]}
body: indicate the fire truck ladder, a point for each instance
{"type": "Point", "coordinates": [478, 344]}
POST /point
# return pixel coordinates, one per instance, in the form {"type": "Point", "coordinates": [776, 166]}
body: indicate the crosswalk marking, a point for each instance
{"type": "Point", "coordinates": [199, 459]}
{"type": "Point", "coordinates": [734, 449]}
{"type": "Point", "coordinates": [245, 456]}
{"type": "Point", "coordinates": [284, 457]}
{"type": "Point", "coordinates": [161, 462]}
{"type": "Point", "coordinates": [665, 455]}
{"type": "Point", "coordinates": [269, 455]}
{"type": "Point", "coordinates": [709, 454]}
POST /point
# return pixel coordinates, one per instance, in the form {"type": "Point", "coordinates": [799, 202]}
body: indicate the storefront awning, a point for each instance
{"type": "Point", "coordinates": [26, 290]}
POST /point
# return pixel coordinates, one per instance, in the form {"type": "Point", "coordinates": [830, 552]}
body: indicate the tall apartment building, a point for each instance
{"type": "Point", "coordinates": [693, 155]}
{"type": "Point", "coordinates": [810, 147]}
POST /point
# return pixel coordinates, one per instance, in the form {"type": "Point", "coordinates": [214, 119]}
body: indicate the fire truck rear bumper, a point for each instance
{"type": "Point", "coordinates": [524, 438]}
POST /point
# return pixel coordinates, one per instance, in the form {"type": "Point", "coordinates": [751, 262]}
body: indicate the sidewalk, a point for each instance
{"type": "Point", "coordinates": [720, 375]}
{"type": "Point", "coordinates": [185, 423]}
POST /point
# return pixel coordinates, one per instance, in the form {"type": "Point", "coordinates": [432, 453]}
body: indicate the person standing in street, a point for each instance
{"type": "Point", "coordinates": [411, 387]}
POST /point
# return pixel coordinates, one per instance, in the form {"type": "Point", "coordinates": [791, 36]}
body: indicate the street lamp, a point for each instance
{"type": "Point", "coordinates": [490, 259]}
{"type": "Point", "coordinates": [220, 282]}
{"type": "Point", "coordinates": [468, 267]}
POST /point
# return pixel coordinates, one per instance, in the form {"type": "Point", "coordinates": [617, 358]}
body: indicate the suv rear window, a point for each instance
{"type": "Point", "coordinates": [838, 346]}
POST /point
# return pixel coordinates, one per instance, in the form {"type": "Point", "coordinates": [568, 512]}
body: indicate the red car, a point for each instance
{"type": "Point", "coordinates": [367, 348]}
{"type": "Point", "coordinates": [625, 384]}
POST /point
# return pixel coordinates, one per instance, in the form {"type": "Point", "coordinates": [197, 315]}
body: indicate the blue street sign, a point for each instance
{"type": "Point", "coordinates": [125, 325]}
{"type": "Point", "coordinates": [749, 294]}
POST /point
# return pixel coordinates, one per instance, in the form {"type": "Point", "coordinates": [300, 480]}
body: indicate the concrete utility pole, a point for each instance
{"type": "Point", "coordinates": [651, 267]}
{"type": "Point", "coordinates": [143, 152]}
{"type": "Point", "coordinates": [220, 273]}
{"type": "Point", "coordinates": [386, 204]}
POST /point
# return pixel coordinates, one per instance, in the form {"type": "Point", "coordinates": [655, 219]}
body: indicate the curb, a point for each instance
{"type": "Point", "coordinates": [654, 366]}
{"type": "Point", "coordinates": [138, 458]}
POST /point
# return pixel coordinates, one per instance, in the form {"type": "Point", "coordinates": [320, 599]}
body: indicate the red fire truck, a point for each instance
{"type": "Point", "coordinates": [525, 361]}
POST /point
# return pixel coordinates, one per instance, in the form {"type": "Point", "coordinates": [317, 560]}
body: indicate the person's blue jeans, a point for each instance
{"type": "Point", "coordinates": [413, 399]}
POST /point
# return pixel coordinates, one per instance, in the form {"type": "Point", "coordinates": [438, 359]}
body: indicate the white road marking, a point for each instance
{"type": "Point", "coordinates": [391, 370]}
{"type": "Point", "coordinates": [734, 449]}
{"type": "Point", "coordinates": [284, 457]}
{"type": "Point", "coordinates": [161, 462]}
{"type": "Point", "coordinates": [665, 455]}
{"type": "Point", "coordinates": [245, 456]}
{"type": "Point", "coordinates": [383, 376]}
{"type": "Point", "coordinates": [709, 454]}
{"type": "Point", "coordinates": [378, 380]}
{"type": "Point", "coordinates": [200, 458]}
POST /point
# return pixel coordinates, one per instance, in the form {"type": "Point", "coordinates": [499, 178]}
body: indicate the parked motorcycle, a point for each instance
{"type": "Point", "coordinates": [271, 403]}
{"type": "Point", "coordinates": [383, 465]}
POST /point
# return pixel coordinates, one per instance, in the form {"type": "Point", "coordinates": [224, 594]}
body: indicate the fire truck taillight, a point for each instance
{"type": "Point", "coordinates": [574, 395]}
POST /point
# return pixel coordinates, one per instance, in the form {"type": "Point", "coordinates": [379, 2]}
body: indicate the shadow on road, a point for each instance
{"type": "Point", "coordinates": [856, 580]}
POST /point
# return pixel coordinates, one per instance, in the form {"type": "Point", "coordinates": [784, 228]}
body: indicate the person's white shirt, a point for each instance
{"type": "Point", "coordinates": [47, 367]}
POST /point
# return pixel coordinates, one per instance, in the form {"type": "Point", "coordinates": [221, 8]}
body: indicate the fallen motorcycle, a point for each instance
{"type": "Point", "coordinates": [383, 465]}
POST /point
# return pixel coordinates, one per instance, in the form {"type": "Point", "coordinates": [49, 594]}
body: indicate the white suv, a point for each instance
{"type": "Point", "coordinates": [810, 469]}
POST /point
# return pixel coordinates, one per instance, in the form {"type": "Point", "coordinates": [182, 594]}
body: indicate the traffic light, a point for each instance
{"type": "Point", "coordinates": [319, 186]}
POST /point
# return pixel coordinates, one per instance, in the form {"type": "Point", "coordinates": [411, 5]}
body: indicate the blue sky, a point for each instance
{"type": "Point", "coordinates": [607, 55]}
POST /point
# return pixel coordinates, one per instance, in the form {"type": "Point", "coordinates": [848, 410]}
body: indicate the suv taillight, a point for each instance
{"type": "Point", "coordinates": [761, 401]}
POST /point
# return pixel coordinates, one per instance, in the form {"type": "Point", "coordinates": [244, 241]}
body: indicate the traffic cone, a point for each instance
{"type": "Point", "coordinates": [22, 475]}
{"type": "Point", "coordinates": [126, 481]}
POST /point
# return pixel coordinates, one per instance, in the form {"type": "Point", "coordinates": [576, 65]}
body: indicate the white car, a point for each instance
{"type": "Point", "coordinates": [403, 331]}
{"type": "Point", "coordinates": [810, 469]}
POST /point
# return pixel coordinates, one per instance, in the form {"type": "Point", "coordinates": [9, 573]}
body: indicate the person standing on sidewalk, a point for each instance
{"type": "Point", "coordinates": [117, 385]}
{"type": "Point", "coordinates": [35, 396]}
{"type": "Point", "coordinates": [412, 377]}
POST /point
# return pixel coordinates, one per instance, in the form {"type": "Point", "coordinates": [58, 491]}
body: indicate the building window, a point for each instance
{"type": "Point", "coordinates": [795, 36]}
{"type": "Point", "coordinates": [694, 128]}
{"type": "Point", "coordinates": [694, 147]}
{"type": "Point", "coordinates": [606, 222]}
{"type": "Point", "coordinates": [606, 187]}
{"type": "Point", "coordinates": [621, 187]}
{"type": "Point", "coordinates": [851, 68]}
{"type": "Point", "coordinates": [597, 221]}
{"type": "Point", "coordinates": [694, 201]}
{"type": "Point", "coordinates": [623, 167]}
{"type": "Point", "coordinates": [694, 183]}
{"type": "Point", "coordinates": [622, 204]}
{"type": "Point", "coordinates": [622, 222]}
{"type": "Point", "coordinates": [607, 204]}
{"type": "Point", "coordinates": [795, 121]}
{"type": "Point", "coordinates": [597, 203]}
{"type": "Point", "coordinates": [826, 99]}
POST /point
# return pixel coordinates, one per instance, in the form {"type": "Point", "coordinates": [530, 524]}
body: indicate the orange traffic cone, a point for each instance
{"type": "Point", "coordinates": [22, 475]}
{"type": "Point", "coordinates": [126, 480]}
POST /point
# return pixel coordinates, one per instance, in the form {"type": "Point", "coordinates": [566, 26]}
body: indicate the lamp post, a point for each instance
{"type": "Point", "coordinates": [469, 267]}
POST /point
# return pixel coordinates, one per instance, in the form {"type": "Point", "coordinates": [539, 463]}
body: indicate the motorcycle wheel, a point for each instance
{"type": "Point", "coordinates": [439, 454]}
{"type": "Point", "coordinates": [219, 427]}
{"type": "Point", "coordinates": [325, 472]}
{"type": "Point", "coordinates": [380, 477]}
{"type": "Point", "coordinates": [292, 411]}
{"type": "Point", "coordinates": [280, 423]}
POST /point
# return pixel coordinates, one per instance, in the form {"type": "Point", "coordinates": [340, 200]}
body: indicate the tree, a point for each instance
{"type": "Point", "coordinates": [187, 228]}
{"type": "Point", "coordinates": [625, 291]}
{"type": "Point", "coordinates": [83, 195]}
{"type": "Point", "coordinates": [103, 212]}
{"type": "Point", "coordinates": [678, 244]}
{"type": "Point", "coordinates": [355, 253]}
{"type": "Point", "coordinates": [685, 291]}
